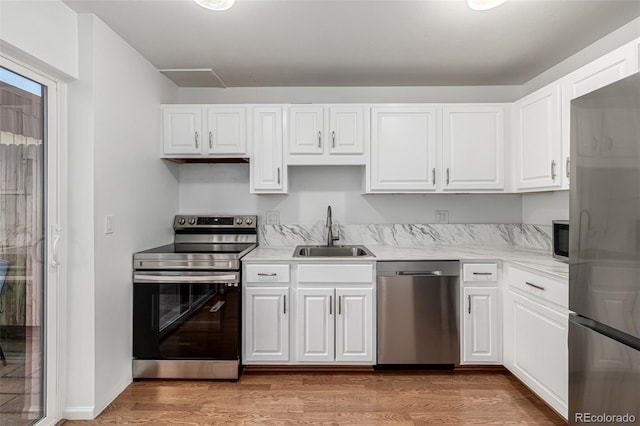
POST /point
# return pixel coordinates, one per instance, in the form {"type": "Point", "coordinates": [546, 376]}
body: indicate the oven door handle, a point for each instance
{"type": "Point", "coordinates": [151, 278]}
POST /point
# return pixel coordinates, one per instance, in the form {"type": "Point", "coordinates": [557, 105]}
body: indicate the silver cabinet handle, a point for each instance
{"type": "Point", "coordinates": [319, 139]}
{"type": "Point", "coordinates": [333, 139]}
{"type": "Point", "coordinates": [278, 175]}
{"type": "Point", "coordinates": [339, 305]}
{"type": "Point", "coordinates": [433, 176]}
{"type": "Point", "coordinates": [330, 305]}
{"type": "Point", "coordinates": [568, 163]}
{"type": "Point", "coordinates": [469, 300]}
{"type": "Point", "coordinates": [534, 285]}
{"type": "Point", "coordinates": [553, 170]}
{"type": "Point", "coordinates": [210, 140]}
{"type": "Point", "coordinates": [265, 274]}
{"type": "Point", "coordinates": [284, 311]}
{"type": "Point", "coordinates": [197, 144]}
{"type": "Point", "coordinates": [447, 176]}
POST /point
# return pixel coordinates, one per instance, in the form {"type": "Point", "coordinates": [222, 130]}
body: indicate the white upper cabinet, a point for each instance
{"type": "Point", "coordinates": [268, 175]}
{"type": "Point", "coordinates": [403, 149]}
{"type": "Point", "coordinates": [608, 69]}
{"type": "Point", "coordinates": [538, 148]}
{"type": "Point", "coordinates": [196, 131]}
{"type": "Point", "coordinates": [226, 130]}
{"type": "Point", "coordinates": [472, 147]}
{"type": "Point", "coordinates": [306, 126]}
{"type": "Point", "coordinates": [326, 134]}
{"type": "Point", "coordinates": [181, 130]}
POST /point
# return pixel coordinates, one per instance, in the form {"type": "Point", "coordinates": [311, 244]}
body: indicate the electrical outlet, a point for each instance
{"type": "Point", "coordinates": [273, 217]}
{"type": "Point", "coordinates": [109, 224]}
{"type": "Point", "coordinates": [442, 216]}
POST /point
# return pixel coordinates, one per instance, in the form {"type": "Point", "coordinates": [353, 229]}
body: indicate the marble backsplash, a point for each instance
{"type": "Point", "coordinates": [531, 236]}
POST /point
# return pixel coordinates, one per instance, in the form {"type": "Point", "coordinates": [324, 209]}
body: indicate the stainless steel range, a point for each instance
{"type": "Point", "coordinates": [187, 300]}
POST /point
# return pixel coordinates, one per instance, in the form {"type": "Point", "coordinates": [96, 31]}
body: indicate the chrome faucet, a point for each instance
{"type": "Point", "coordinates": [330, 237]}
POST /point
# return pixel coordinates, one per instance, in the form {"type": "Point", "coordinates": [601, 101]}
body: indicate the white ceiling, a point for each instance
{"type": "Point", "coordinates": [359, 42]}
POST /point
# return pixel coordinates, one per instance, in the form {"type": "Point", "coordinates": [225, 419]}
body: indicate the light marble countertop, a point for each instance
{"type": "Point", "coordinates": [539, 260]}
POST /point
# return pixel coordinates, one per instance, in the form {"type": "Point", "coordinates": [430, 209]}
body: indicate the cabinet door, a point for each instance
{"type": "Point", "coordinates": [536, 348]}
{"type": "Point", "coordinates": [538, 144]}
{"type": "Point", "coordinates": [266, 324]}
{"type": "Point", "coordinates": [481, 334]}
{"type": "Point", "coordinates": [226, 130]}
{"type": "Point", "coordinates": [346, 130]}
{"type": "Point", "coordinates": [354, 325]}
{"type": "Point", "coordinates": [267, 172]}
{"type": "Point", "coordinates": [403, 149]}
{"type": "Point", "coordinates": [472, 147]}
{"type": "Point", "coordinates": [181, 130]}
{"type": "Point", "coordinates": [609, 68]}
{"type": "Point", "coordinates": [306, 130]}
{"type": "Point", "coordinates": [315, 325]}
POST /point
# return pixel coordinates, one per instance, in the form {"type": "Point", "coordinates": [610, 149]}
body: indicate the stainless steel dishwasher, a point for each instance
{"type": "Point", "coordinates": [418, 312]}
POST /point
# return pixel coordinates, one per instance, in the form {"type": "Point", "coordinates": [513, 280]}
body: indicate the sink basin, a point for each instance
{"type": "Point", "coordinates": [331, 251]}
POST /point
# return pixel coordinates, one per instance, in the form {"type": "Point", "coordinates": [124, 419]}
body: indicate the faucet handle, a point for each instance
{"type": "Point", "coordinates": [335, 233]}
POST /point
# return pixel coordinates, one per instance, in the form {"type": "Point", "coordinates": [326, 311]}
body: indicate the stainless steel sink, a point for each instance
{"type": "Point", "coordinates": [332, 251]}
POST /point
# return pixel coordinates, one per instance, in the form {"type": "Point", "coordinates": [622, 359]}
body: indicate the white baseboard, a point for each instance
{"type": "Point", "coordinates": [78, 413]}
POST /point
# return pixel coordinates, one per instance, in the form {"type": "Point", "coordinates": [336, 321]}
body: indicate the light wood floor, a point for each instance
{"type": "Point", "coordinates": [324, 398]}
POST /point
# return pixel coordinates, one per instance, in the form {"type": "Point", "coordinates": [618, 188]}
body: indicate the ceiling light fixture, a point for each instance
{"type": "Point", "coordinates": [218, 5]}
{"type": "Point", "coordinates": [483, 4]}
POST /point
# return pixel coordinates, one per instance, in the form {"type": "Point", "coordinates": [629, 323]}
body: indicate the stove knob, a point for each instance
{"type": "Point", "coordinates": [192, 221]}
{"type": "Point", "coordinates": [181, 221]}
{"type": "Point", "coordinates": [248, 221]}
{"type": "Point", "coordinates": [238, 221]}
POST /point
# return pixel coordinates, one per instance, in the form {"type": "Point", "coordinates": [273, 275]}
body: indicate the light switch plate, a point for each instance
{"type": "Point", "coordinates": [442, 216]}
{"type": "Point", "coordinates": [109, 224]}
{"type": "Point", "coordinates": [273, 217]}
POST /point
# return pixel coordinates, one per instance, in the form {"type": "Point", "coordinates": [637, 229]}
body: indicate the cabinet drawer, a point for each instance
{"type": "Point", "coordinates": [480, 272]}
{"type": "Point", "coordinates": [336, 273]}
{"type": "Point", "coordinates": [549, 289]}
{"type": "Point", "coordinates": [267, 273]}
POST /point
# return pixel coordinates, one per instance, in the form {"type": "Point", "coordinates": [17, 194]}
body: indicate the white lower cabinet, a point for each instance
{"type": "Point", "coordinates": [317, 314]}
{"type": "Point", "coordinates": [535, 336]}
{"type": "Point", "coordinates": [480, 344]}
{"type": "Point", "coordinates": [334, 324]}
{"type": "Point", "coordinates": [266, 323]}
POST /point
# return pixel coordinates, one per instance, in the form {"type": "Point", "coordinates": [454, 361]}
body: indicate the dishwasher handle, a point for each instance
{"type": "Point", "coordinates": [420, 273]}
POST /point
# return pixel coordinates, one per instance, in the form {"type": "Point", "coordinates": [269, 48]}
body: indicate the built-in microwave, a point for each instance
{"type": "Point", "coordinates": [561, 240]}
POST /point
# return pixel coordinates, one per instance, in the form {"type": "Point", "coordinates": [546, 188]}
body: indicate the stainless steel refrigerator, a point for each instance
{"type": "Point", "coordinates": [604, 256]}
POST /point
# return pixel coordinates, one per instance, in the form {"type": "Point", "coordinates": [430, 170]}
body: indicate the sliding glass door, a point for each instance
{"type": "Point", "coordinates": [23, 248]}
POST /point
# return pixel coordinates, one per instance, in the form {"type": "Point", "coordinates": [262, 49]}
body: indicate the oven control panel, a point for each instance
{"type": "Point", "coordinates": [182, 222]}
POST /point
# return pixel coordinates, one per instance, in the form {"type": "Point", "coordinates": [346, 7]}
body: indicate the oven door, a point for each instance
{"type": "Point", "coordinates": [186, 315]}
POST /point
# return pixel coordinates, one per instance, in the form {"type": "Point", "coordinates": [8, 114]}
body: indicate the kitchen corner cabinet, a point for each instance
{"type": "Point", "coordinates": [538, 148]}
{"type": "Point", "coordinates": [326, 134]}
{"type": "Point", "coordinates": [472, 147]}
{"type": "Point", "coordinates": [266, 314]}
{"type": "Point", "coordinates": [268, 174]}
{"type": "Point", "coordinates": [605, 70]}
{"type": "Point", "coordinates": [335, 314]}
{"type": "Point", "coordinates": [535, 334]}
{"type": "Point", "coordinates": [193, 131]}
{"type": "Point", "coordinates": [403, 149]}
{"type": "Point", "coordinates": [481, 338]}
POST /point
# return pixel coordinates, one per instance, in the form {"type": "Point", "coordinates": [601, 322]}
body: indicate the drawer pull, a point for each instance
{"type": "Point", "coordinates": [534, 285]}
{"type": "Point", "coordinates": [265, 274]}
{"type": "Point", "coordinates": [483, 273]}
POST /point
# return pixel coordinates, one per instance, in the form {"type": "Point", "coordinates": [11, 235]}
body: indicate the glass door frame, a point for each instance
{"type": "Point", "coordinates": [54, 138]}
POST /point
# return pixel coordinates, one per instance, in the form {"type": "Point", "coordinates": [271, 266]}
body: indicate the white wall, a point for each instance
{"type": "Point", "coordinates": [224, 188]}
{"type": "Point", "coordinates": [116, 170]}
{"type": "Point", "coordinates": [46, 32]}
{"type": "Point", "coordinates": [234, 95]}
{"type": "Point", "coordinates": [543, 207]}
